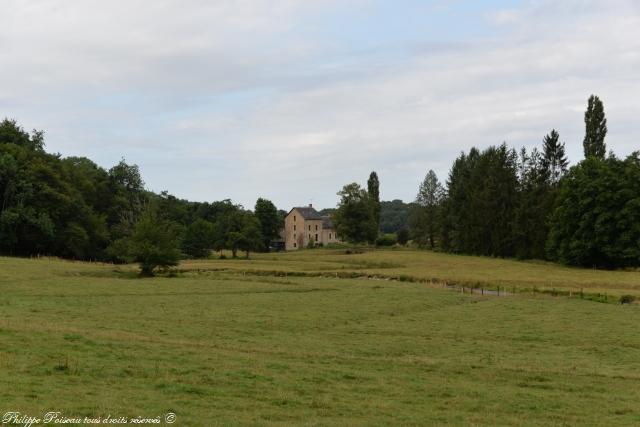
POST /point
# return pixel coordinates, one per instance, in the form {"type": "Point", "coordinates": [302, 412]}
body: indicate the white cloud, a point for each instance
{"type": "Point", "coordinates": [233, 99]}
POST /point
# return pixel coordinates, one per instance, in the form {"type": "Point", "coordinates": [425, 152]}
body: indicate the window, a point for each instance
{"type": "Point", "coordinates": [316, 237]}
{"type": "Point", "coordinates": [294, 235]}
{"type": "Point", "coordinates": [294, 245]}
{"type": "Point", "coordinates": [294, 228]}
{"type": "Point", "coordinates": [294, 218]}
{"type": "Point", "coordinates": [316, 228]}
{"type": "Point", "coordinates": [309, 236]}
{"type": "Point", "coordinates": [329, 235]}
{"type": "Point", "coordinates": [309, 228]}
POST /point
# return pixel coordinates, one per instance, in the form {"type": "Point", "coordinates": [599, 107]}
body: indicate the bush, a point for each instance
{"type": "Point", "coordinates": [353, 251]}
{"type": "Point", "coordinates": [627, 299]}
{"type": "Point", "coordinates": [386, 240]}
{"type": "Point", "coordinates": [153, 243]}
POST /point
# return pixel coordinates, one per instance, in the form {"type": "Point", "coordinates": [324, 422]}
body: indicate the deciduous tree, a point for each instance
{"type": "Point", "coordinates": [596, 129]}
{"type": "Point", "coordinates": [270, 221]}
{"type": "Point", "coordinates": [354, 217]}
{"type": "Point", "coordinates": [154, 243]}
{"type": "Point", "coordinates": [373, 190]}
{"type": "Point", "coordinates": [199, 239]}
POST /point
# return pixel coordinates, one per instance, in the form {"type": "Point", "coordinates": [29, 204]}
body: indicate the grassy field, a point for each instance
{"type": "Point", "coordinates": [227, 348]}
{"type": "Point", "coordinates": [437, 267]}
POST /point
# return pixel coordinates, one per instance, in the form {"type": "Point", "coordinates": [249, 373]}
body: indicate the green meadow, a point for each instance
{"type": "Point", "coordinates": [435, 267]}
{"type": "Point", "coordinates": [287, 339]}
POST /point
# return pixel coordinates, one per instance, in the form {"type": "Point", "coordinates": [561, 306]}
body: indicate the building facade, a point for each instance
{"type": "Point", "coordinates": [305, 224]}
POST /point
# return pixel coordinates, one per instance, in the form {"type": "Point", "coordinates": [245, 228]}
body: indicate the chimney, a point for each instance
{"type": "Point", "coordinates": [310, 205]}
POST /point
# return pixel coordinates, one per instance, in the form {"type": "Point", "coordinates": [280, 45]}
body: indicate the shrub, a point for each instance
{"type": "Point", "coordinates": [354, 251]}
{"type": "Point", "coordinates": [153, 243]}
{"type": "Point", "coordinates": [386, 240]}
{"type": "Point", "coordinates": [627, 299]}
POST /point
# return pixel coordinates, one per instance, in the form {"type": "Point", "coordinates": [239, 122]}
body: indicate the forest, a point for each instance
{"type": "Point", "coordinates": [72, 208]}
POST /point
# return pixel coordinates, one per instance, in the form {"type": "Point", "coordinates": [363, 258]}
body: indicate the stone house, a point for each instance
{"type": "Point", "coordinates": [305, 224]}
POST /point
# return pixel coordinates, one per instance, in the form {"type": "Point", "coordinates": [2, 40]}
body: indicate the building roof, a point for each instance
{"type": "Point", "coordinates": [309, 213]}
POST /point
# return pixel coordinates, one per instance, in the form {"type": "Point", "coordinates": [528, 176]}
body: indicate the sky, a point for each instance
{"type": "Point", "coordinates": [290, 100]}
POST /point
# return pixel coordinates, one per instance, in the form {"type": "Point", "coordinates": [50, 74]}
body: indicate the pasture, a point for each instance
{"type": "Point", "coordinates": [221, 344]}
{"type": "Point", "coordinates": [460, 270]}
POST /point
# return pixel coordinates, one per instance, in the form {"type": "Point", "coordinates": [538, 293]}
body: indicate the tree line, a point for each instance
{"type": "Point", "coordinates": [72, 208]}
{"type": "Point", "coordinates": [495, 202]}
{"type": "Point", "coordinates": [507, 203]}
{"type": "Point", "coordinates": [502, 202]}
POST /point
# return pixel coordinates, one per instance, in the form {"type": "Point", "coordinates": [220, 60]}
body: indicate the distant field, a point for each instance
{"type": "Point", "coordinates": [223, 348]}
{"type": "Point", "coordinates": [439, 267]}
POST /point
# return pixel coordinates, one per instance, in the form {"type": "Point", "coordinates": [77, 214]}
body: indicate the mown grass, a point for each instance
{"type": "Point", "coordinates": [220, 348]}
{"type": "Point", "coordinates": [439, 267]}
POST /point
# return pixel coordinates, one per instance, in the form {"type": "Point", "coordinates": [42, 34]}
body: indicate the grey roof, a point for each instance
{"type": "Point", "coordinates": [309, 213]}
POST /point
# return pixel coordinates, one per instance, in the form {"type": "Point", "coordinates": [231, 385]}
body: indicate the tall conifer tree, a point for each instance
{"type": "Point", "coordinates": [554, 159]}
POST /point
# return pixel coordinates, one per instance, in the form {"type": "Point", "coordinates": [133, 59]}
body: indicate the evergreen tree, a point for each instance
{"type": "Point", "coordinates": [534, 204]}
{"type": "Point", "coordinates": [456, 206]}
{"type": "Point", "coordinates": [596, 129]}
{"type": "Point", "coordinates": [373, 189]}
{"type": "Point", "coordinates": [424, 216]}
{"type": "Point", "coordinates": [482, 197]}
{"type": "Point", "coordinates": [554, 160]}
